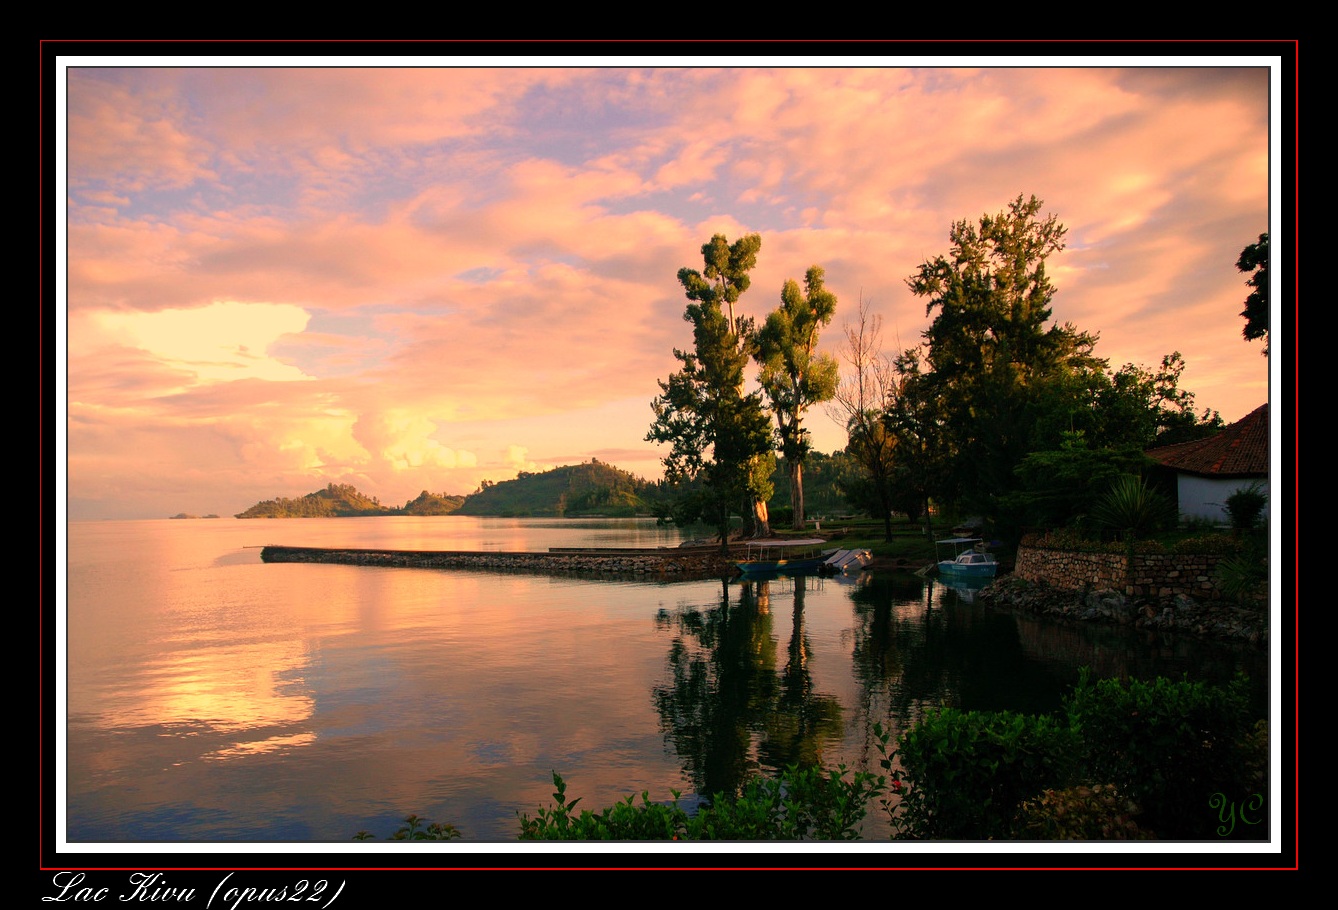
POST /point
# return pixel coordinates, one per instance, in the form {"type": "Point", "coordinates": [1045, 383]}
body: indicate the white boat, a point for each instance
{"type": "Point", "coordinates": [969, 559]}
{"type": "Point", "coordinates": [843, 561]}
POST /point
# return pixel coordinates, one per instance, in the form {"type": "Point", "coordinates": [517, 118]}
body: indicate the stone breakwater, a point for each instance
{"type": "Point", "coordinates": [1175, 613]}
{"type": "Point", "coordinates": [667, 563]}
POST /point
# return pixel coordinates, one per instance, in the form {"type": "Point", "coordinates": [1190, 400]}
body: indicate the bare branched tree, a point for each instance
{"type": "Point", "coordinates": [867, 381]}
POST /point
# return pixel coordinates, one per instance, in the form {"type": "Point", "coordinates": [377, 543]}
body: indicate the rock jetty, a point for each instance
{"type": "Point", "coordinates": [675, 563]}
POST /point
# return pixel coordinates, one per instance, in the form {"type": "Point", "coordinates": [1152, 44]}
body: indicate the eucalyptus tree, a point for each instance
{"type": "Point", "coordinates": [720, 435]}
{"type": "Point", "coordinates": [794, 376]}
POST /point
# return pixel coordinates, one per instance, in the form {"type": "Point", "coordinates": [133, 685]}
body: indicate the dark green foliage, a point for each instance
{"type": "Point", "coordinates": [794, 376]}
{"type": "Point", "coordinates": [337, 500]}
{"type": "Point", "coordinates": [1133, 508]}
{"type": "Point", "coordinates": [1170, 746]}
{"type": "Point", "coordinates": [415, 828]}
{"type": "Point", "coordinates": [965, 774]}
{"type": "Point", "coordinates": [1098, 812]}
{"type": "Point", "coordinates": [990, 353]}
{"type": "Point", "coordinates": [720, 437]}
{"type": "Point", "coordinates": [1164, 759]}
{"type": "Point", "coordinates": [995, 382]}
{"type": "Point", "coordinates": [826, 478]}
{"type": "Point", "coordinates": [433, 504]}
{"type": "Point", "coordinates": [1254, 259]}
{"type": "Point", "coordinates": [802, 804]}
{"type": "Point", "coordinates": [582, 489]}
{"type": "Point", "coordinates": [625, 820]}
{"type": "Point", "coordinates": [1060, 487]}
{"type": "Point", "coordinates": [1246, 505]}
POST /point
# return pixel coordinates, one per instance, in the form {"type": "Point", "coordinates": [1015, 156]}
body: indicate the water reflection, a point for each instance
{"type": "Point", "coordinates": [728, 710]}
{"type": "Point", "coordinates": [215, 697]}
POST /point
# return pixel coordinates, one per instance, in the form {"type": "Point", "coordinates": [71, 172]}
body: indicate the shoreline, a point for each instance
{"type": "Point", "coordinates": [1178, 613]}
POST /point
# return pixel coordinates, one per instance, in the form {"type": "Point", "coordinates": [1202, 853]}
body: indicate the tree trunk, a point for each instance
{"type": "Point", "coordinates": [756, 521]}
{"type": "Point", "coordinates": [723, 524]}
{"type": "Point", "coordinates": [797, 492]}
{"type": "Point", "coordinates": [885, 506]}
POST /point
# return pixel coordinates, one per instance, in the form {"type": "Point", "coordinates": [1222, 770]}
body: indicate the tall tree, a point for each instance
{"type": "Point", "coordinates": [720, 436]}
{"type": "Point", "coordinates": [865, 386]}
{"type": "Point", "coordinates": [1254, 259]}
{"type": "Point", "coordinates": [793, 375]}
{"type": "Point", "coordinates": [989, 350]}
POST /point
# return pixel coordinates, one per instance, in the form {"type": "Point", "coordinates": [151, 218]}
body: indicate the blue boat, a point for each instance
{"type": "Point", "coordinates": [969, 559]}
{"type": "Point", "coordinates": [777, 555]}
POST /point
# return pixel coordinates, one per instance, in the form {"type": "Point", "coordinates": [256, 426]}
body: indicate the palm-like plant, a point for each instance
{"type": "Point", "coordinates": [1133, 508]}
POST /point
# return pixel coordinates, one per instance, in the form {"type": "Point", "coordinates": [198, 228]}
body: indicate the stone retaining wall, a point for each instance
{"type": "Point", "coordinates": [1145, 575]}
{"type": "Point", "coordinates": [669, 564]}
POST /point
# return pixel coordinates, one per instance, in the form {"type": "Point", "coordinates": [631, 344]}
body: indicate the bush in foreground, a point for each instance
{"type": "Point", "coordinates": [802, 804]}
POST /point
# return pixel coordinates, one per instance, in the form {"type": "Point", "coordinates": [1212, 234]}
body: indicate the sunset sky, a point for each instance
{"type": "Point", "coordinates": [416, 278]}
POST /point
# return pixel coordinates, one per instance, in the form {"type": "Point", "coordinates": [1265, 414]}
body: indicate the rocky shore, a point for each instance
{"type": "Point", "coordinates": [1179, 613]}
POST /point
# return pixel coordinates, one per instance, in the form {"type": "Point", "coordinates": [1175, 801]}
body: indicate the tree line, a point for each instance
{"type": "Point", "coordinates": [997, 411]}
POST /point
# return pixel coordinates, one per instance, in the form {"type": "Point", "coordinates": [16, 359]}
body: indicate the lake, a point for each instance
{"type": "Point", "coordinates": [212, 698]}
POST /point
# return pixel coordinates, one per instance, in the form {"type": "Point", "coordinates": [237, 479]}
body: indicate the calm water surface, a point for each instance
{"type": "Point", "coordinates": [214, 698]}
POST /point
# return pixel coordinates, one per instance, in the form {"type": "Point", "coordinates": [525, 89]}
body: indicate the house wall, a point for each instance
{"type": "Point", "coordinates": [1145, 575]}
{"type": "Point", "coordinates": [1205, 497]}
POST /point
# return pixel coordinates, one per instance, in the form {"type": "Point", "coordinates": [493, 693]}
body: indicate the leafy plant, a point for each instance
{"type": "Point", "coordinates": [624, 820]}
{"type": "Point", "coordinates": [1168, 746]}
{"type": "Point", "coordinates": [1097, 812]}
{"type": "Point", "coordinates": [965, 774]}
{"type": "Point", "coordinates": [801, 804]}
{"type": "Point", "coordinates": [415, 828]}
{"type": "Point", "coordinates": [1133, 508]}
{"type": "Point", "coordinates": [1246, 505]}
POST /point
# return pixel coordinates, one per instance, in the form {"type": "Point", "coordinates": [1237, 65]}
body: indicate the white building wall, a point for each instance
{"type": "Point", "coordinates": [1205, 497]}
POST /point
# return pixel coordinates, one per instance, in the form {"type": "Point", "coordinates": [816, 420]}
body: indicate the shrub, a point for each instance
{"type": "Point", "coordinates": [1246, 505]}
{"type": "Point", "coordinates": [622, 821]}
{"type": "Point", "coordinates": [1133, 508]}
{"type": "Point", "coordinates": [1219, 544]}
{"type": "Point", "coordinates": [1168, 746]}
{"type": "Point", "coordinates": [415, 828]}
{"type": "Point", "coordinates": [965, 774]}
{"type": "Point", "coordinates": [801, 804]}
{"type": "Point", "coordinates": [1098, 812]}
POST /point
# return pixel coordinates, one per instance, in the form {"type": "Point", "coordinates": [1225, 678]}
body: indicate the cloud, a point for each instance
{"type": "Point", "coordinates": [280, 278]}
{"type": "Point", "coordinates": [223, 342]}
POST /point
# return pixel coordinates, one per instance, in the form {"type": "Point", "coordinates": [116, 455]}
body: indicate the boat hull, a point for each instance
{"type": "Point", "coordinates": [957, 570]}
{"type": "Point", "coordinates": [761, 567]}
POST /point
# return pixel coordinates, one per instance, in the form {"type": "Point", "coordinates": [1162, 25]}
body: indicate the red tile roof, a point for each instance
{"type": "Point", "coordinates": [1240, 450]}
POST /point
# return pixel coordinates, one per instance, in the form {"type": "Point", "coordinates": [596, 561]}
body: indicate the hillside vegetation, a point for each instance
{"type": "Point", "coordinates": [338, 500]}
{"type": "Point", "coordinates": [584, 489]}
{"type": "Point", "coordinates": [593, 488]}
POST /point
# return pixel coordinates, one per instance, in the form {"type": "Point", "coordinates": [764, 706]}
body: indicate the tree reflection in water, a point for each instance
{"type": "Point", "coordinates": [728, 710]}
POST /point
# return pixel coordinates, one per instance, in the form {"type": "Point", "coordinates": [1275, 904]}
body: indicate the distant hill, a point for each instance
{"type": "Point", "coordinates": [338, 500]}
{"type": "Point", "coordinates": [432, 504]}
{"type": "Point", "coordinates": [594, 488]}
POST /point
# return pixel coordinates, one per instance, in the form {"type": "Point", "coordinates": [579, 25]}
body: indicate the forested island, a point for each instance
{"type": "Point", "coordinates": [593, 488]}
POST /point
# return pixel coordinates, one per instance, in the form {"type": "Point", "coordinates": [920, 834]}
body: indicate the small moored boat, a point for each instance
{"type": "Point", "coordinates": [969, 558]}
{"type": "Point", "coordinates": [776, 555]}
{"type": "Point", "coordinates": [843, 561]}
